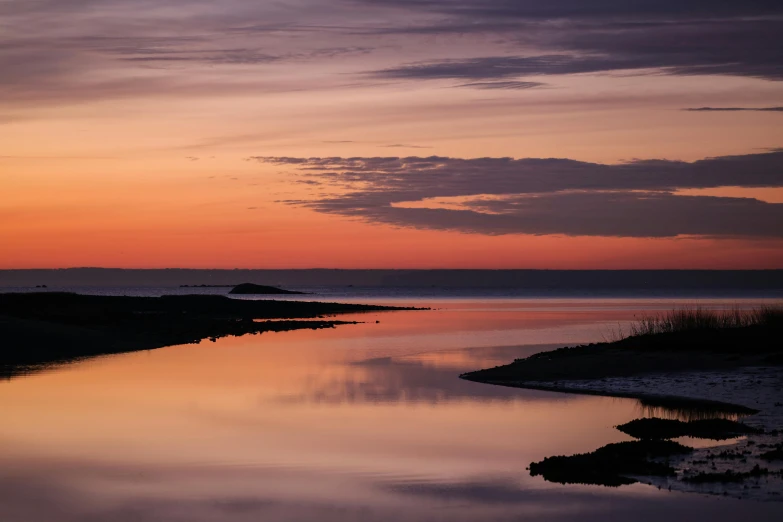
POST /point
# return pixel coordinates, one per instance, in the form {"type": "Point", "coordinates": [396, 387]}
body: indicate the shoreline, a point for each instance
{"type": "Point", "coordinates": [689, 401]}
{"type": "Point", "coordinates": [45, 328]}
{"type": "Point", "coordinates": [652, 399]}
{"type": "Point", "coordinates": [685, 380]}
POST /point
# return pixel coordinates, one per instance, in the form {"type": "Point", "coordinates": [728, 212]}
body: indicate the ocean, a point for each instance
{"type": "Point", "coordinates": [363, 422]}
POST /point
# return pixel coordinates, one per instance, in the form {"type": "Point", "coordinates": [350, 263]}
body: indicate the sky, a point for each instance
{"type": "Point", "coordinates": [391, 134]}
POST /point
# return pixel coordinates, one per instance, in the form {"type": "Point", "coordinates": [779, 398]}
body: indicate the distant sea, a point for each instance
{"type": "Point", "coordinates": [366, 421]}
{"type": "Point", "coordinates": [421, 284]}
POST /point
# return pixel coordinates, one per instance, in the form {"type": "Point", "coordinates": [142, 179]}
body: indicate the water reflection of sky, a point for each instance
{"type": "Point", "coordinates": [363, 422]}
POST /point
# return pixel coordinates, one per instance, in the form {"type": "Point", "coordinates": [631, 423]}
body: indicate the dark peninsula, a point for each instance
{"type": "Point", "coordinates": [52, 327]}
{"type": "Point", "coordinates": [686, 340]}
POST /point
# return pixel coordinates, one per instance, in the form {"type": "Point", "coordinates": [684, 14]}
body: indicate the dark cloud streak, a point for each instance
{"type": "Point", "coordinates": [580, 9]}
{"type": "Point", "coordinates": [74, 51]}
{"type": "Point", "coordinates": [503, 85]}
{"type": "Point", "coordinates": [736, 48]}
{"type": "Point", "coordinates": [573, 36]}
{"type": "Point", "coordinates": [734, 109]}
{"type": "Point", "coordinates": [550, 196]}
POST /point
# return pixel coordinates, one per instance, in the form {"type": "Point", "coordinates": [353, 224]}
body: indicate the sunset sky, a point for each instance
{"type": "Point", "coordinates": [391, 133]}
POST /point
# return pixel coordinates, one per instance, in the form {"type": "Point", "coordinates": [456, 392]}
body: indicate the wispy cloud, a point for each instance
{"type": "Point", "coordinates": [567, 37]}
{"type": "Point", "coordinates": [712, 48]}
{"type": "Point", "coordinates": [734, 109]}
{"type": "Point", "coordinates": [580, 10]}
{"type": "Point", "coordinates": [548, 196]}
{"type": "Point", "coordinates": [503, 85]}
{"type": "Point", "coordinates": [76, 51]}
{"type": "Point", "coordinates": [80, 51]}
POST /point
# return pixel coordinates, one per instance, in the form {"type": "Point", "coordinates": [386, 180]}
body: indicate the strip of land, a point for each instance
{"type": "Point", "coordinates": [39, 329]}
{"type": "Point", "coordinates": [703, 349]}
{"type": "Point", "coordinates": [694, 365]}
{"type": "Point", "coordinates": [707, 349]}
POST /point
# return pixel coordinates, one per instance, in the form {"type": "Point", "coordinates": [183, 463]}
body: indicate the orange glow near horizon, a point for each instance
{"type": "Point", "coordinates": [187, 215]}
{"type": "Point", "coordinates": [145, 164]}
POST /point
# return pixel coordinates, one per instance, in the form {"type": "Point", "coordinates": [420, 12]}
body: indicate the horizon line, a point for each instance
{"type": "Point", "coordinates": [414, 269]}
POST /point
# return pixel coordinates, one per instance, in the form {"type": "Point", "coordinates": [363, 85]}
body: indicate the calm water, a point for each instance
{"type": "Point", "coordinates": [364, 422]}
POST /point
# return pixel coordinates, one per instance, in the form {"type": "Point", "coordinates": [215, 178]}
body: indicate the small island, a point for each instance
{"type": "Point", "coordinates": [254, 289]}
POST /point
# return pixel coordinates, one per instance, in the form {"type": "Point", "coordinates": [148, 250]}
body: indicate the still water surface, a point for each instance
{"type": "Point", "coordinates": [364, 422]}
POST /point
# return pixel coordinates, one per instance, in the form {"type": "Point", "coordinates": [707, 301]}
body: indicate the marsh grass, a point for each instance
{"type": "Point", "coordinates": [698, 318]}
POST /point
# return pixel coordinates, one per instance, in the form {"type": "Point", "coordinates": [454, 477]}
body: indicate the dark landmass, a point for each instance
{"type": "Point", "coordinates": [254, 289]}
{"type": "Point", "coordinates": [44, 328]}
{"type": "Point", "coordinates": [680, 350]}
{"type": "Point", "coordinates": [626, 462]}
{"type": "Point", "coordinates": [612, 465]}
{"type": "Point", "coordinates": [702, 349]}
{"type": "Point", "coordinates": [657, 429]}
{"type": "Point", "coordinates": [740, 283]}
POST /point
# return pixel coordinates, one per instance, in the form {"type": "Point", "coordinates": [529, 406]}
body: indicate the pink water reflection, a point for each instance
{"type": "Point", "coordinates": [363, 422]}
